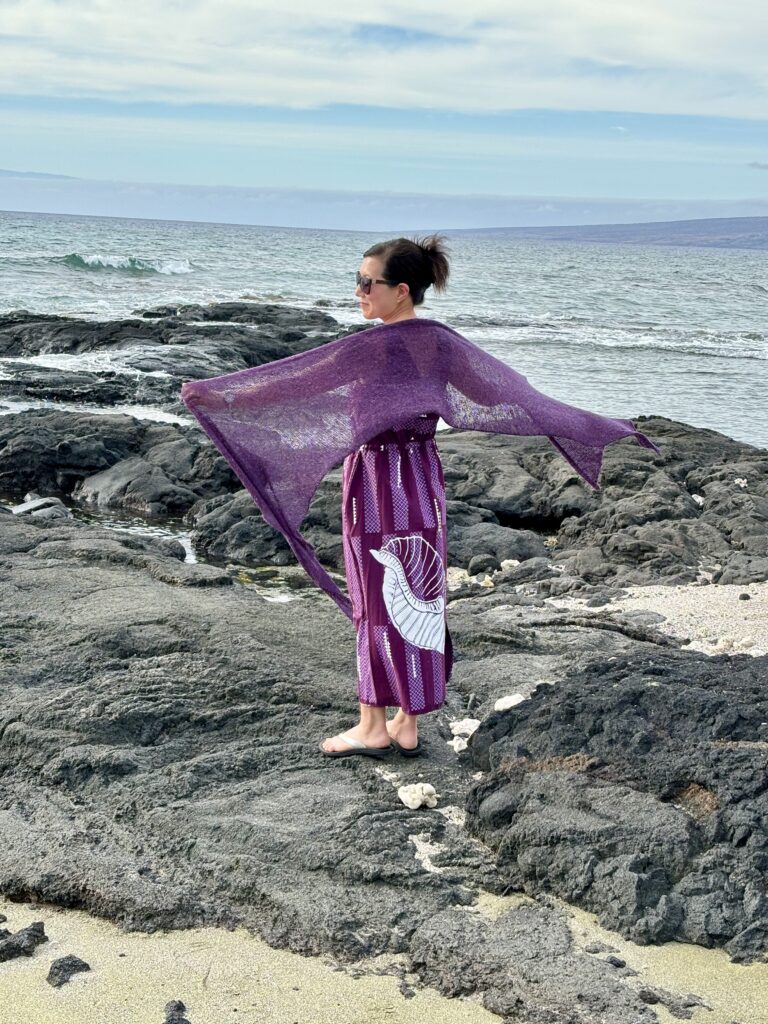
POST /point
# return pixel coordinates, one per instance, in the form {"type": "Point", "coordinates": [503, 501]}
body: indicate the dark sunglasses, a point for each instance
{"type": "Point", "coordinates": [366, 283]}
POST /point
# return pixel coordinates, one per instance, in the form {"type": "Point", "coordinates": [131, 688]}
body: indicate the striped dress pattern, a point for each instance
{"type": "Point", "coordinates": [395, 556]}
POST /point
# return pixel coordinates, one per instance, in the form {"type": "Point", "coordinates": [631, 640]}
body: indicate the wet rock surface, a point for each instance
{"type": "Point", "coordinates": [145, 360]}
{"type": "Point", "coordinates": [699, 506]}
{"type": "Point", "coordinates": [110, 461]}
{"type": "Point", "coordinates": [32, 383]}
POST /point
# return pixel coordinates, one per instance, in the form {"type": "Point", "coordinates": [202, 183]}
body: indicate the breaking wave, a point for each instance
{"type": "Point", "coordinates": [123, 264]}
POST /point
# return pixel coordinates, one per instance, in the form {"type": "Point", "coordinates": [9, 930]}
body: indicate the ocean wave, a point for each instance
{"type": "Point", "coordinates": [123, 264]}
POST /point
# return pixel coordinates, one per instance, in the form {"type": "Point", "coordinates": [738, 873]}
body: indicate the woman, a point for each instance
{"type": "Point", "coordinates": [371, 400]}
{"type": "Point", "coordinates": [394, 534]}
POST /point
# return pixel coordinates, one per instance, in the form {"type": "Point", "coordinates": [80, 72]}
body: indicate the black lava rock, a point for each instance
{"type": "Point", "coordinates": [63, 969]}
{"type": "Point", "coordinates": [641, 797]}
{"type": "Point", "coordinates": [23, 942]}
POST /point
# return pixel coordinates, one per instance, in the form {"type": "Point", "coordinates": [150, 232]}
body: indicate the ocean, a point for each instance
{"type": "Point", "coordinates": [624, 330]}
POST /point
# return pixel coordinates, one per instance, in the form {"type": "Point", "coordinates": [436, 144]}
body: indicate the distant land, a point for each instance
{"type": "Point", "coordinates": [34, 174]}
{"type": "Point", "coordinates": [712, 232]}
{"type": "Point", "coordinates": [547, 219]}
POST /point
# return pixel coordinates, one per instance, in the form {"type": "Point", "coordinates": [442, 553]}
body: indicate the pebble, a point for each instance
{"type": "Point", "coordinates": [61, 970]}
{"type": "Point", "coordinates": [648, 995]}
{"type": "Point", "coordinates": [174, 1012]}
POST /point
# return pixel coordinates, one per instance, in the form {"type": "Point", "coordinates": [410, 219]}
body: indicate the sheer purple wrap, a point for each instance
{"type": "Point", "coordinates": [284, 425]}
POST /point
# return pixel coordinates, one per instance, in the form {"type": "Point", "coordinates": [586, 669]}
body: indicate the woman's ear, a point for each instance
{"type": "Point", "coordinates": [403, 290]}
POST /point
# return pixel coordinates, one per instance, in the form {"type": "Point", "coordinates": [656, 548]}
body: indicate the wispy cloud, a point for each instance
{"type": "Point", "coordinates": [758, 165]}
{"type": "Point", "coordinates": [566, 54]}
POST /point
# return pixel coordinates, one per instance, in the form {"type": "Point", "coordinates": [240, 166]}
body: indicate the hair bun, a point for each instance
{"type": "Point", "coordinates": [435, 249]}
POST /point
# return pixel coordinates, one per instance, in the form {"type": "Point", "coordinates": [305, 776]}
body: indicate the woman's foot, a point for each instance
{"type": "Point", "coordinates": [371, 736]}
{"type": "Point", "coordinates": [403, 729]}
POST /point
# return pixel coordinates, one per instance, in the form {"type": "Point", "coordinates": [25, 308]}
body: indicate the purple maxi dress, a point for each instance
{"type": "Point", "coordinates": [395, 555]}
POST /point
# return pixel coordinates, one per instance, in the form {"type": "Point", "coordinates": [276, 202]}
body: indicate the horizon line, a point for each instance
{"type": "Point", "coordinates": [363, 231]}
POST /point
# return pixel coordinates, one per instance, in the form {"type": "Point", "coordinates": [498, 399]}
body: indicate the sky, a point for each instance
{"type": "Point", "coordinates": [443, 113]}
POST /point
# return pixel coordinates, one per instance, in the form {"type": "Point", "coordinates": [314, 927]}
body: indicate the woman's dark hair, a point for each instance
{"type": "Point", "coordinates": [417, 262]}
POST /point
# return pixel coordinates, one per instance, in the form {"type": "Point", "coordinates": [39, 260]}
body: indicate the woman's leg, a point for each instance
{"type": "Point", "coordinates": [403, 728]}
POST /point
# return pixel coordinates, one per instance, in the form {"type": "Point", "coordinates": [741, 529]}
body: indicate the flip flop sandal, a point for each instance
{"type": "Point", "coordinates": [408, 751]}
{"type": "Point", "coordinates": [355, 747]}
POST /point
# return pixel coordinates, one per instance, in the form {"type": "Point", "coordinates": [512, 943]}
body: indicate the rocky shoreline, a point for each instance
{"type": "Point", "coordinates": [160, 718]}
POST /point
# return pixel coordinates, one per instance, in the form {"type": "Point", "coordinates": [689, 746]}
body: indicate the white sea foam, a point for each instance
{"type": "Point", "coordinates": [92, 362]}
{"type": "Point", "coordinates": [8, 406]}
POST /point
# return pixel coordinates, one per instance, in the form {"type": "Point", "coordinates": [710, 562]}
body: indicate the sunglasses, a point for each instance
{"type": "Point", "coordinates": [366, 283]}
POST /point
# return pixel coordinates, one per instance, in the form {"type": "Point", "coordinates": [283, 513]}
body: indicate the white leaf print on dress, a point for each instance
{"type": "Point", "coordinates": [414, 590]}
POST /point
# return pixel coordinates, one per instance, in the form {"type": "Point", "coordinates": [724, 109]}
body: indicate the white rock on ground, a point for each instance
{"type": "Point", "coordinates": [458, 743]}
{"type": "Point", "coordinates": [465, 727]}
{"type": "Point", "coordinates": [510, 701]}
{"type": "Point", "coordinates": [418, 794]}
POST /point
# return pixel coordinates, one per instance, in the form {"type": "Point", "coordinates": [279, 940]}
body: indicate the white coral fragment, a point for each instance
{"type": "Point", "coordinates": [458, 743]}
{"type": "Point", "coordinates": [509, 563]}
{"type": "Point", "coordinates": [740, 481]}
{"type": "Point", "coordinates": [510, 701]}
{"type": "Point", "coordinates": [465, 727]}
{"type": "Point", "coordinates": [418, 794]}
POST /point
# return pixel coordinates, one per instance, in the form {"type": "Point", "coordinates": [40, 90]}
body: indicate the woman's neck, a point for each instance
{"type": "Point", "coordinates": [397, 316]}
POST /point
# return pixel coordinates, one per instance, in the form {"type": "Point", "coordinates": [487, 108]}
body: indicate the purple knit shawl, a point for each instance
{"type": "Point", "coordinates": [284, 425]}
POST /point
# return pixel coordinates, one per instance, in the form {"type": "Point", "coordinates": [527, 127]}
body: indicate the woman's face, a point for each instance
{"type": "Point", "coordinates": [385, 302]}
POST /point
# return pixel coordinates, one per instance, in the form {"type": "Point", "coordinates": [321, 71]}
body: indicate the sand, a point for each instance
{"type": "Point", "coordinates": [231, 976]}
{"type": "Point", "coordinates": [221, 976]}
{"type": "Point", "coordinates": [715, 619]}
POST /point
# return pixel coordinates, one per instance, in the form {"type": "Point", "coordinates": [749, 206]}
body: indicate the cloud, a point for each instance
{"type": "Point", "coordinates": [758, 165]}
{"type": "Point", "coordinates": [566, 54]}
